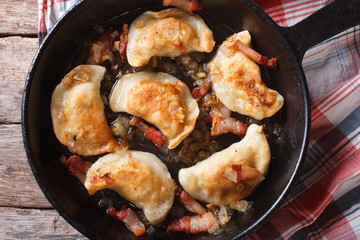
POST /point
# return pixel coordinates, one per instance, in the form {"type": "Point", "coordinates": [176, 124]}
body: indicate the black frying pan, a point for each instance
{"type": "Point", "coordinates": [59, 50]}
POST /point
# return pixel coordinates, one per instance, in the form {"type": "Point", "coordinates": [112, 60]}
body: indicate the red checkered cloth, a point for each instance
{"type": "Point", "coordinates": [325, 201]}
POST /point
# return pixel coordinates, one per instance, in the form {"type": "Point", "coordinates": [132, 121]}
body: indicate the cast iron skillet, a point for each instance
{"type": "Point", "coordinates": [55, 58]}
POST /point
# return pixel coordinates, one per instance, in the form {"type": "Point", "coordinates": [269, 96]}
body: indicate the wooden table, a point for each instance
{"type": "Point", "coordinates": [24, 211]}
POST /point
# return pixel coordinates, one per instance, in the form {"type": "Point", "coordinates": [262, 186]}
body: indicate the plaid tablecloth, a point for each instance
{"type": "Point", "coordinates": [325, 201]}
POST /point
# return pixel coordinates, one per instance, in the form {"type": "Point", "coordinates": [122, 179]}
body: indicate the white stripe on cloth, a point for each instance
{"type": "Point", "coordinates": [331, 63]}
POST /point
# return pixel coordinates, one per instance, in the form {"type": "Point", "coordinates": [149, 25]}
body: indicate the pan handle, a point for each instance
{"type": "Point", "coordinates": [330, 20]}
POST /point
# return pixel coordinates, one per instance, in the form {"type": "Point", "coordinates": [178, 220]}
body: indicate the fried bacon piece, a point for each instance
{"type": "Point", "coordinates": [195, 224]}
{"type": "Point", "coordinates": [201, 90]}
{"type": "Point", "coordinates": [151, 133]}
{"type": "Point", "coordinates": [203, 222]}
{"type": "Point", "coordinates": [257, 57]}
{"type": "Point", "coordinates": [221, 125]}
{"type": "Point", "coordinates": [121, 45]}
{"type": "Point", "coordinates": [220, 118]}
{"type": "Point", "coordinates": [190, 204]}
{"type": "Point", "coordinates": [187, 5]}
{"type": "Point", "coordinates": [233, 173]}
{"type": "Point", "coordinates": [250, 176]}
{"type": "Point", "coordinates": [129, 217]}
{"type": "Point", "coordinates": [239, 173]}
{"type": "Point", "coordinates": [155, 136]}
{"type": "Point", "coordinates": [77, 166]}
{"type": "Point", "coordinates": [103, 49]}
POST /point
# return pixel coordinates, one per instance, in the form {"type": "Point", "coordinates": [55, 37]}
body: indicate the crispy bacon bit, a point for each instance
{"type": "Point", "coordinates": [257, 57]}
{"type": "Point", "coordinates": [155, 136]}
{"type": "Point", "coordinates": [122, 49]}
{"type": "Point", "coordinates": [112, 211]}
{"type": "Point", "coordinates": [221, 125]}
{"type": "Point", "coordinates": [203, 222]}
{"type": "Point", "coordinates": [232, 173]}
{"type": "Point", "coordinates": [121, 45]}
{"type": "Point", "coordinates": [190, 204]}
{"type": "Point", "coordinates": [151, 133]}
{"type": "Point", "coordinates": [201, 90]}
{"type": "Point", "coordinates": [180, 225]}
{"type": "Point", "coordinates": [77, 166]}
{"type": "Point", "coordinates": [250, 176]}
{"type": "Point", "coordinates": [196, 93]}
{"type": "Point", "coordinates": [188, 5]}
{"type": "Point", "coordinates": [241, 173]}
{"type": "Point", "coordinates": [195, 224]}
{"type": "Point", "coordinates": [129, 217]}
{"type": "Point", "coordinates": [237, 168]}
{"type": "Point", "coordinates": [102, 50]}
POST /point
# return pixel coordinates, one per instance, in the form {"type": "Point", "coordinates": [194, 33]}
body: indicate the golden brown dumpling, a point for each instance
{"type": "Point", "coordinates": [237, 81]}
{"type": "Point", "coordinates": [230, 174]}
{"type": "Point", "coordinates": [140, 177]}
{"type": "Point", "coordinates": [159, 98]}
{"type": "Point", "coordinates": [168, 33]}
{"type": "Point", "coordinates": [77, 112]}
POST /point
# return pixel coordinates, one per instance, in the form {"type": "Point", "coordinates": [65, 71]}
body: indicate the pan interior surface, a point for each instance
{"type": "Point", "coordinates": [56, 57]}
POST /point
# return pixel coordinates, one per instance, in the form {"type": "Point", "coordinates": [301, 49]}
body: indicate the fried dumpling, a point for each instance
{"type": "Point", "coordinates": [159, 98]}
{"type": "Point", "coordinates": [140, 177]}
{"type": "Point", "coordinates": [168, 33]}
{"type": "Point", "coordinates": [77, 112]}
{"type": "Point", "coordinates": [237, 81]}
{"type": "Point", "coordinates": [230, 174]}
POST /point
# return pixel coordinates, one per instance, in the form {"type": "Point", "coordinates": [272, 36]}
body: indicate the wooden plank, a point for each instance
{"type": "Point", "coordinates": [18, 17]}
{"type": "Point", "coordinates": [17, 184]}
{"type": "Point", "coordinates": [16, 55]}
{"type": "Point", "coordinates": [35, 224]}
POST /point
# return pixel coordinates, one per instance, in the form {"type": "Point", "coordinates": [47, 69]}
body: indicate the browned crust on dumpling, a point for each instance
{"type": "Point", "coordinates": [206, 182]}
{"type": "Point", "coordinates": [160, 103]}
{"type": "Point", "coordinates": [168, 33]}
{"type": "Point", "coordinates": [237, 81]}
{"type": "Point", "coordinates": [78, 113]}
{"type": "Point", "coordinates": [140, 177]}
{"type": "Point", "coordinates": [159, 98]}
